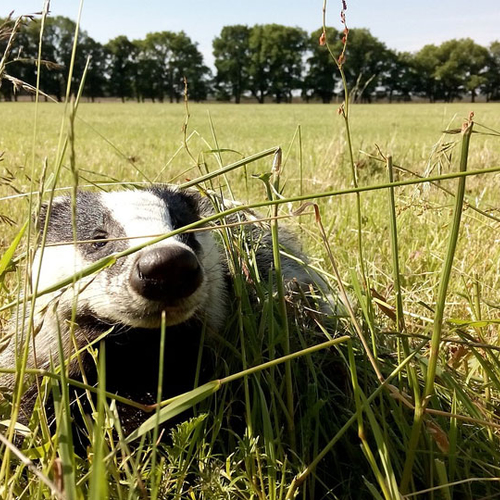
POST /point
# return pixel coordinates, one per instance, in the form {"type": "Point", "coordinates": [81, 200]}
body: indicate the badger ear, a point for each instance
{"type": "Point", "coordinates": [176, 198]}
{"type": "Point", "coordinates": [204, 203]}
{"type": "Point", "coordinates": [57, 206]}
{"type": "Point", "coordinates": [193, 198]}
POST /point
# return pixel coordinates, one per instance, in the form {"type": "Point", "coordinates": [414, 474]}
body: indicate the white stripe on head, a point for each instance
{"type": "Point", "coordinates": [141, 214]}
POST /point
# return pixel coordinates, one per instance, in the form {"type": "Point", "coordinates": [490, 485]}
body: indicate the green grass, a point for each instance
{"type": "Point", "coordinates": [338, 401]}
{"type": "Point", "coordinates": [145, 139]}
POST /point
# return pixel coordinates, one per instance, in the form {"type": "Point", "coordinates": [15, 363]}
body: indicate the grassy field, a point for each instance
{"type": "Point", "coordinates": [143, 143]}
{"type": "Point", "coordinates": [369, 444]}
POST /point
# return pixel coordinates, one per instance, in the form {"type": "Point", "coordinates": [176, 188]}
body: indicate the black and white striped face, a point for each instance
{"type": "Point", "coordinates": [181, 275]}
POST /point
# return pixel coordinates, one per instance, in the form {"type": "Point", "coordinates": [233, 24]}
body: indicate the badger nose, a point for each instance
{"type": "Point", "coordinates": [166, 274]}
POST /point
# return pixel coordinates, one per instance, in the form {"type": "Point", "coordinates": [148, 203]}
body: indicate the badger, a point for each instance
{"type": "Point", "coordinates": [181, 281]}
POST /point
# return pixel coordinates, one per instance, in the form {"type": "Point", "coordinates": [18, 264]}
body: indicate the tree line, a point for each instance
{"type": "Point", "coordinates": [268, 62]}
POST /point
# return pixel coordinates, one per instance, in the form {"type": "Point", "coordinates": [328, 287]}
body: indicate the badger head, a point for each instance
{"type": "Point", "coordinates": [181, 275]}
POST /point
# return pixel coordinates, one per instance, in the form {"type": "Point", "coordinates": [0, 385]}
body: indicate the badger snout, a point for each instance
{"type": "Point", "coordinates": [166, 274]}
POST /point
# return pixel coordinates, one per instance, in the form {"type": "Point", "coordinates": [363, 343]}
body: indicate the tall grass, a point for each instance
{"type": "Point", "coordinates": [301, 404]}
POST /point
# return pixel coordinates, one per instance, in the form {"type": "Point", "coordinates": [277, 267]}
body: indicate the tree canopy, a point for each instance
{"type": "Point", "coordinates": [266, 62]}
{"type": "Point", "coordinates": [232, 61]}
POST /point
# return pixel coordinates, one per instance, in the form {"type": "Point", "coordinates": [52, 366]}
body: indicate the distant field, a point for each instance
{"type": "Point", "coordinates": [150, 133]}
{"type": "Point", "coordinates": [138, 142]}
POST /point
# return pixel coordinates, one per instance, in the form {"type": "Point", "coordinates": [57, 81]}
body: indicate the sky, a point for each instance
{"type": "Point", "coordinates": [401, 24]}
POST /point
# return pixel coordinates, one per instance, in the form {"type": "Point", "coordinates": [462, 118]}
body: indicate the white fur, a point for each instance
{"type": "Point", "coordinates": [140, 213]}
{"type": "Point", "coordinates": [59, 262]}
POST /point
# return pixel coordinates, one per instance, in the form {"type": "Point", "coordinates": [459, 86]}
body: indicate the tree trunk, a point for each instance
{"type": "Point", "coordinates": [237, 90]}
{"type": "Point", "coordinates": [259, 95]}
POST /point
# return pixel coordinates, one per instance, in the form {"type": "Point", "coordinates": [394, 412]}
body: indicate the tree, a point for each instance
{"type": "Point", "coordinates": [56, 57]}
{"type": "Point", "coordinates": [400, 77]}
{"type": "Point", "coordinates": [491, 85]}
{"type": "Point", "coordinates": [148, 74]}
{"type": "Point", "coordinates": [166, 58]}
{"type": "Point", "coordinates": [95, 81]}
{"type": "Point", "coordinates": [276, 54]}
{"type": "Point", "coordinates": [322, 73]}
{"type": "Point", "coordinates": [475, 65]}
{"type": "Point", "coordinates": [232, 60]}
{"type": "Point", "coordinates": [366, 60]}
{"type": "Point", "coordinates": [462, 63]}
{"type": "Point", "coordinates": [20, 61]}
{"type": "Point", "coordinates": [122, 67]}
{"type": "Point", "coordinates": [426, 60]}
{"type": "Point", "coordinates": [452, 69]}
{"type": "Point", "coordinates": [157, 53]}
{"type": "Point", "coordinates": [188, 64]}
{"type": "Point", "coordinates": [57, 47]}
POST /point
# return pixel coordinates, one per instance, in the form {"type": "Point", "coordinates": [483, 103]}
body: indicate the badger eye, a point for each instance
{"type": "Point", "coordinates": [101, 238]}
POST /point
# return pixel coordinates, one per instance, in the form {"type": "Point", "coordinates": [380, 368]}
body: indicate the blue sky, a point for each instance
{"type": "Point", "coordinates": [400, 24]}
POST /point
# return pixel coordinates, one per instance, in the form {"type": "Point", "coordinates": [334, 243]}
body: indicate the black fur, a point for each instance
{"type": "Point", "coordinates": [93, 222]}
{"type": "Point", "coordinates": [184, 209]}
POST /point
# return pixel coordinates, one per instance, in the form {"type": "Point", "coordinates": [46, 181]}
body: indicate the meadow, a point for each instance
{"type": "Point", "coordinates": [141, 143]}
{"type": "Point", "coordinates": [356, 425]}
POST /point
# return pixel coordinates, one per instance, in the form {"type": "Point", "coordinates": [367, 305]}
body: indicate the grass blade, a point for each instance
{"type": "Point", "coordinates": [439, 314]}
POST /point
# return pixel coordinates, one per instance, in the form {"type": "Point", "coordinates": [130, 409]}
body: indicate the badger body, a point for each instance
{"type": "Point", "coordinates": [183, 278]}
